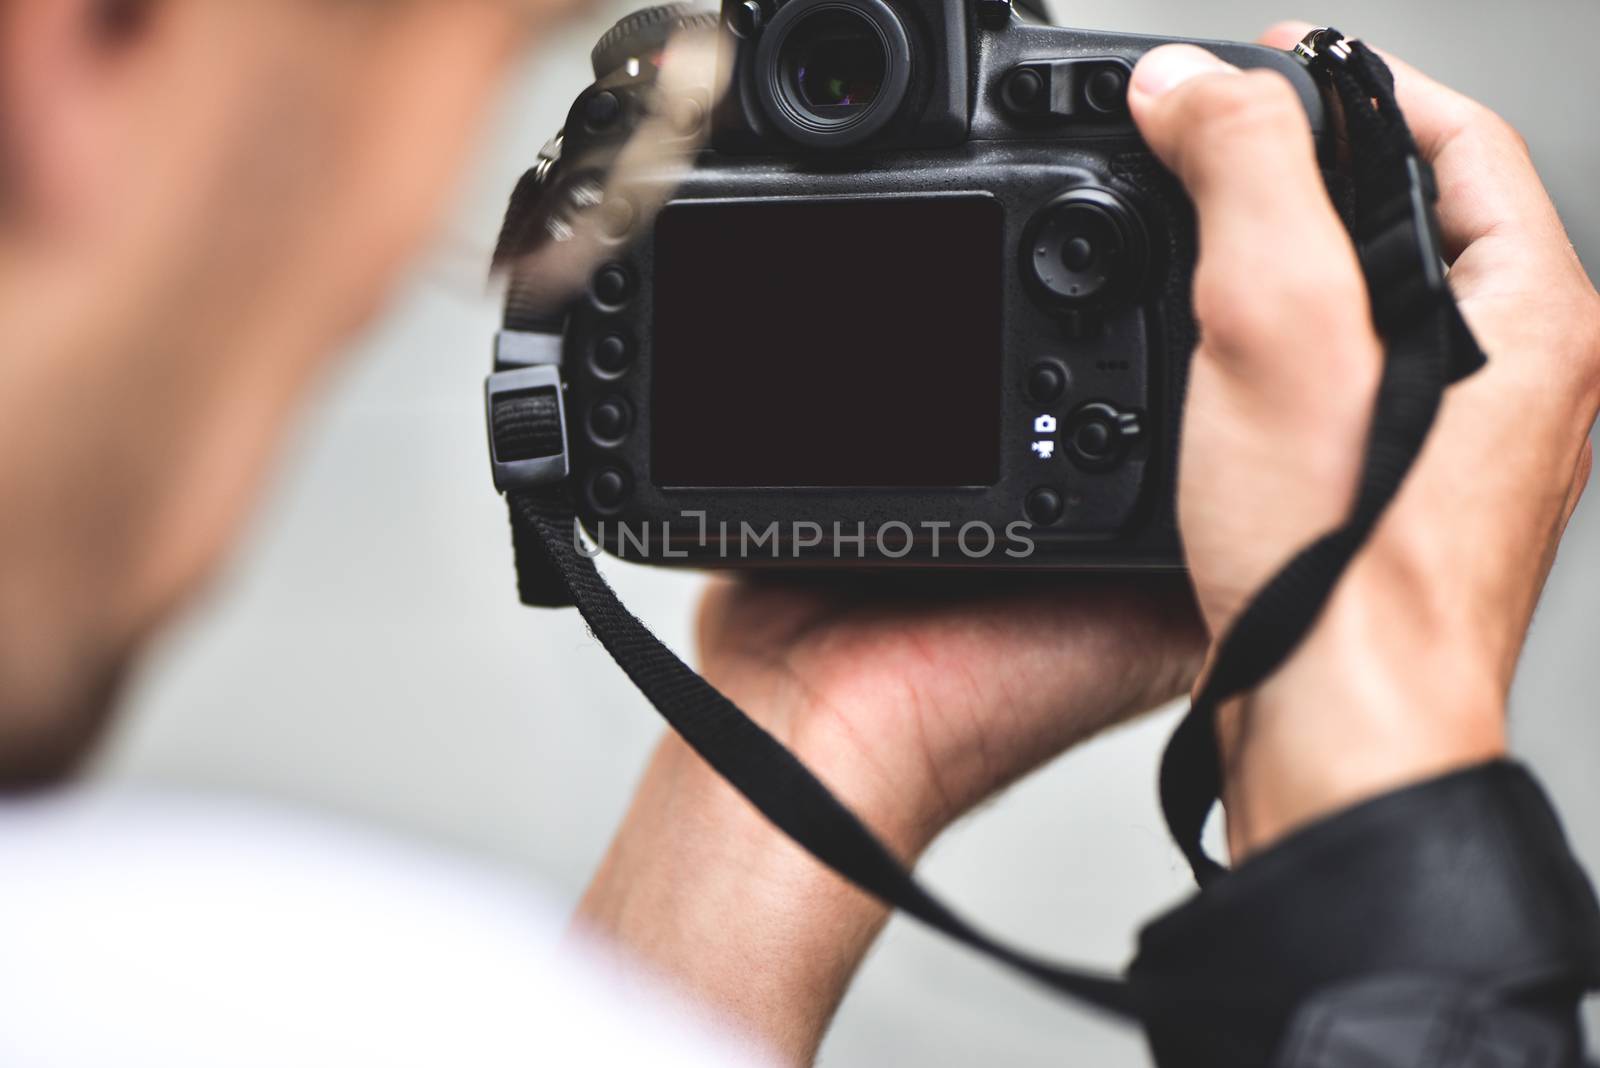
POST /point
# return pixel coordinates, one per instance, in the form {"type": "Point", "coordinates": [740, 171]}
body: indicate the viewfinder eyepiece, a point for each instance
{"type": "Point", "coordinates": [838, 60]}
{"type": "Point", "coordinates": [831, 73]}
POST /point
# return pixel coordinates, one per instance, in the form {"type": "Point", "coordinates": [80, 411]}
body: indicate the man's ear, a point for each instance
{"type": "Point", "coordinates": [58, 65]}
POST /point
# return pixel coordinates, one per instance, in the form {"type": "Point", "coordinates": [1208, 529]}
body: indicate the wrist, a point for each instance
{"type": "Point", "coordinates": [698, 885]}
{"type": "Point", "coordinates": [903, 791]}
{"type": "Point", "coordinates": [1382, 695]}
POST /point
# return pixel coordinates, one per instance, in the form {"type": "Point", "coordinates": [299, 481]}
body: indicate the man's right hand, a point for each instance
{"type": "Point", "coordinates": [1407, 673]}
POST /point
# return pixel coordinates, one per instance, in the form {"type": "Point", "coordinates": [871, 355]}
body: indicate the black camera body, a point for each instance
{"type": "Point", "coordinates": [922, 298]}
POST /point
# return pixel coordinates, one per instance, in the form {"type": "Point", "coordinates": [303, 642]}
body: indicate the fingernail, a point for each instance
{"type": "Point", "coordinates": [1167, 67]}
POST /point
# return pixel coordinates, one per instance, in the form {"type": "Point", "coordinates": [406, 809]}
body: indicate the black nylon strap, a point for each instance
{"type": "Point", "coordinates": [1428, 347]}
{"type": "Point", "coordinates": [757, 765]}
{"type": "Point", "coordinates": [527, 427]}
{"type": "Point", "coordinates": [526, 216]}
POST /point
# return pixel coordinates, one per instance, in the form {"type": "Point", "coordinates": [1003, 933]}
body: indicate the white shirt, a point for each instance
{"type": "Point", "coordinates": [169, 932]}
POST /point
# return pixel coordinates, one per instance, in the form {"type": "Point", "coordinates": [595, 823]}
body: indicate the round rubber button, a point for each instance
{"type": "Point", "coordinates": [1107, 91]}
{"type": "Point", "coordinates": [686, 114]}
{"type": "Point", "coordinates": [1047, 381]}
{"type": "Point", "coordinates": [601, 110]}
{"type": "Point", "coordinates": [613, 285]}
{"type": "Point", "coordinates": [612, 354]}
{"type": "Point", "coordinates": [1093, 440]}
{"type": "Point", "coordinates": [1044, 506]}
{"type": "Point", "coordinates": [608, 489]}
{"type": "Point", "coordinates": [610, 420]}
{"type": "Point", "coordinates": [617, 216]}
{"type": "Point", "coordinates": [1022, 91]}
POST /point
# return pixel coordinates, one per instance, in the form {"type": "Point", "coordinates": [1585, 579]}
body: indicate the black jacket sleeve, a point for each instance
{"type": "Point", "coordinates": [1447, 924]}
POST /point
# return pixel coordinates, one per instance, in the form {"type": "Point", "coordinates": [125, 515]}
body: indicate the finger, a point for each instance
{"type": "Point", "coordinates": [1275, 261]}
{"type": "Point", "coordinates": [1285, 35]}
{"type": "Point", "coordinates": [1487, 179]}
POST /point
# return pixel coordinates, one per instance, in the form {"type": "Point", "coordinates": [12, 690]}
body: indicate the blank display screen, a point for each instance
{"type": "Point", "coordinates": [843, 343]}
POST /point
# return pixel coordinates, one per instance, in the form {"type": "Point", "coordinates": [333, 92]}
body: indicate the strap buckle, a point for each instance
{"type": "Point", "coordinates": [1402, 255]}
{"type": "Point", "coordinates": [527, 420]}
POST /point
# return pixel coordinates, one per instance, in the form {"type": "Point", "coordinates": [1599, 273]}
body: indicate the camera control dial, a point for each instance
{"type": "Point", "coordinates": [646, 32]}
{"type": "Point", "coordinates": [1088, 247]}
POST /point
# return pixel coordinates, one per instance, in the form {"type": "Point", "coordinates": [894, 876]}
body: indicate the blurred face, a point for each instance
{"type": "Point", "coordinates": [199, 200]}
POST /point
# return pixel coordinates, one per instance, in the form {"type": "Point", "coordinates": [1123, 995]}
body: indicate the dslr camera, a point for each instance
{"type": "Point", "coordinates": [911, 291]}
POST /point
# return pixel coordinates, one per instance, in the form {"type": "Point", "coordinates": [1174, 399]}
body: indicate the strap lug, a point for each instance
{"type": "Point", "coordinates": [1325, 45]}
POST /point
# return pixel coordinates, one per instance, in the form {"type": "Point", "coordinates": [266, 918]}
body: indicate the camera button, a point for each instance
{"type": "Point", "coordinates": [612, 355]}
{"type": "Point", "coordinates": [1078, 254]}
{"type": "Point", "coordinates": [617, 216]}
{"type": "Point", "coordinates": [609, 488]}
{"type": "Point", "coordinates": [613, 285]}
{"type": "Point", "coordinates": [1092, 440]}
{"type": "Point", "coordinates": [746, 19]}
{"type": "Point", "coordinates": [1098, 436]}
{"type": "Point", "coordinates": [1047, 381]}
{"type": "Point", "coordinates": [1023, 92]}
{"type": "Point", "coordinates": [1045, 506]}
{"type": "Point", "coordinates": [602, 109]}
{"type": "Point", "coordinates": [686, 115]}
{"type": "Point", "coordinates": [610, 420]}
{"type": "Point", "coordinates": [1107, 91]}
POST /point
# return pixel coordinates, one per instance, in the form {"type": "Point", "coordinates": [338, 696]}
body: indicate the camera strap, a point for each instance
{"type": "Point", "coordinates": [1428, 347]}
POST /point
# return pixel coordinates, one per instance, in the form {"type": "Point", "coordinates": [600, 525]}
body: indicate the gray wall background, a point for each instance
{"type": "Point", "coordinates": [365, 656]}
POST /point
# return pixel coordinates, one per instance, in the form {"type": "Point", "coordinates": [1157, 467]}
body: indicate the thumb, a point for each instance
{"type": "Point", "coordinates": [1275, 261]}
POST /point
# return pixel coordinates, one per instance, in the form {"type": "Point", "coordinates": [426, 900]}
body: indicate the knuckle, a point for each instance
{"type": "Point", "coordinates": [1228, 318]}
{"type": "Point", "coordinates": [1490, 126]}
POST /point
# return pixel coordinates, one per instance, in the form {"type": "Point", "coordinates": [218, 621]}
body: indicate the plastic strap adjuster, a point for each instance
{"type": "Point", "coordinates": [524, 348]}
{"type": "Point", "coordinates": [1403, 258]}
{"type": "Point", "coordinates": [527, 420]}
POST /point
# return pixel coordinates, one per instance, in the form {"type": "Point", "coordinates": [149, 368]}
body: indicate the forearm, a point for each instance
{"type": "Point", "coordinates": [1387, 691]}
{"type": "Point", "coordinates": [912, 708]}
{"type": "Point", "coordinates": [700, 886]}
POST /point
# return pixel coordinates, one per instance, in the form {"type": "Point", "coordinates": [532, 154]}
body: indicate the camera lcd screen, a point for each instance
{"type": "Point", "coordinates": [828, 343]}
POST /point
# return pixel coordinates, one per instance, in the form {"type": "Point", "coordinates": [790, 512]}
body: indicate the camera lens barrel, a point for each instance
{"type": "Point", "coordinates": [832, 73]}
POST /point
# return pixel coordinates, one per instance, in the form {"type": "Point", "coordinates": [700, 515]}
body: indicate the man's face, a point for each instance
{"type": "Point", "coordinates": [199, 200]}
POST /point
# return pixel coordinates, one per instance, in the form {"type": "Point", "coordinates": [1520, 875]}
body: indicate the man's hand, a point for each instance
{"type": "Point", "coordinates": [914, 705]}
{"type": "Point", "coordinates": [1408, 671]}
{"type": "Point", "coordinates": [919, 701]}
